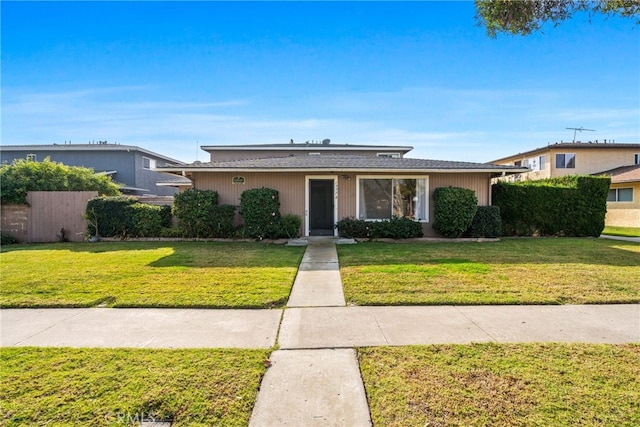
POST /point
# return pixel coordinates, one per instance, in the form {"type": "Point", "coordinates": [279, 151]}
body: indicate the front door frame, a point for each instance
{"type": "Point", "coordinates": [307, 183]}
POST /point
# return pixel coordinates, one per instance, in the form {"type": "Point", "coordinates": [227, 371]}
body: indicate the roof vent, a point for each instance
{"type": "Point", "coordinates": [326, 141]}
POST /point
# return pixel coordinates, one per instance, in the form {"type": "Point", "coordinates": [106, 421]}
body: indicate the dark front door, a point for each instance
{"type": "Point", "coordinates": [321, 207]}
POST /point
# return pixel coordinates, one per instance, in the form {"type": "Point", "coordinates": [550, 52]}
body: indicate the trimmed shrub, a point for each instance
{"type": "Point", "coordinates": [222, 221]}
{"type": "Point", "coordinates": [260, 208]}
{"type": "Point", "coordinates": [453, 210]}
{"type": "Point", "coordinates": [567, 206]}
{"type": "Point", "coordinates": [486, 222]}
{"type": "Point", "coordinates": [291, 225]}
{"type": "Point", "coordinates": [123, 217]}
{"type": "Point", "coordinates": [353, 228]}
{"type": "Point", "coordinates": [146, 220]}
{"type": "Point", "coordinates": [166, 215]}
{"type": "Point", "coordinates": [109, 216]}
{"type": "Point", "coordinates": [194, 210]}
{"type": "Point", "coordinates": [395, 228]}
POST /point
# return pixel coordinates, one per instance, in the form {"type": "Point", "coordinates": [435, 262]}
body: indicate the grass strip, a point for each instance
{"type": "Point", "coordinates": [503, 385]}
{"type": "Point", "coordinates": [62, 386]}
{"type": "Point", "coordinates": [511, 271]}
{"type": "Point", "coordinates": [622, 231]}
{"type": "Point", "coordinates": [148, 274]}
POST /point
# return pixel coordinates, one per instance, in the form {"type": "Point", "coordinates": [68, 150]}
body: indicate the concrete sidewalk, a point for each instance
{"type": "Point", "coordinates": [314, 378]}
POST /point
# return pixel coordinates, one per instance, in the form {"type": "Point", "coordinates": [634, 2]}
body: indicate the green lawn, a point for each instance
{"type": "Point", "coordinates": [622, 231]}
{"type": "Point", "coordinates": [148, 274]}
{"type": "Point", "coordinates": [503, 385]}
{"type": "Point", "coordinates": [511, 271]}
{"type": "Point", "coordinates": [61, 386]}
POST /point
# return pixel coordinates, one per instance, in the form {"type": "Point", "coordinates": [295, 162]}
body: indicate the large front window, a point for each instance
{"type": "Point", "coordinates": [384, 198]}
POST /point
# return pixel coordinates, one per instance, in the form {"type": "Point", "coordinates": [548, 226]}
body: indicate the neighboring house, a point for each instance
{"type": "Point", "coordinates": [623, 203]}
{"type": "Point", "coordinates": [572, 158]}
{"type": "Point", "coordinates": [620, 161]}
{"type": "Point", "coordinates": [131, 166]}
{"type": "Point", "coordinates": [323, 183]}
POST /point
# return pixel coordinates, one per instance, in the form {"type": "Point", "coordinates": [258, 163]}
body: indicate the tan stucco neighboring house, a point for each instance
{"type": "Point", "coordinates": [323, 183]}
{"type": "Point", "coordinates": [620, 161]}
{"type": "Point", "coordinates": [623, 203]}
{"type": "Point", "coordinates": [572, 158]}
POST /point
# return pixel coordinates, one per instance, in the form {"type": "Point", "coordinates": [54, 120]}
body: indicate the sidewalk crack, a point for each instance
{"type": "Point", "coordinates": [494, 339]}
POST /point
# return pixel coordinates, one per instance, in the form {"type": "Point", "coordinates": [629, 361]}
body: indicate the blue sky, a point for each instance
{"type": "Point", "coordinates": [171, 76]}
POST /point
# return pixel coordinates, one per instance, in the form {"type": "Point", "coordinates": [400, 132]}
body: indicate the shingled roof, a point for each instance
{"type": "Point", "coordinates": [623, 174]}
{"type": "Point", "coordinates": [343, 163]}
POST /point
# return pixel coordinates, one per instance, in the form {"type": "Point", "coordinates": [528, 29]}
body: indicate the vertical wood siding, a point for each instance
{"type": "Point", "coordinates": [51, 211]}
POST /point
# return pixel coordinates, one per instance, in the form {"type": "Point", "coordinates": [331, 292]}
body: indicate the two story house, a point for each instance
{"type": "Point", "coordinates": [132, 167]}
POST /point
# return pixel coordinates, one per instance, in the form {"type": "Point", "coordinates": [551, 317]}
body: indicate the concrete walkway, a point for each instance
{"type": "Point", "coordinates": [314, 378]}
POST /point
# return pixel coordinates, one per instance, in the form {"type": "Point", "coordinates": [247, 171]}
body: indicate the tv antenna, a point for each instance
{"type": "Point", "coordinates": [580, 129]}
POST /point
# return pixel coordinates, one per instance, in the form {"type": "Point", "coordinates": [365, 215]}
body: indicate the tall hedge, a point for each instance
{"type": "Point", "coordinates": [453, 210]}
{"type": "Point", "coordinates": [260, 208]}
{"type": "Point", "coordinates": [567, 206]}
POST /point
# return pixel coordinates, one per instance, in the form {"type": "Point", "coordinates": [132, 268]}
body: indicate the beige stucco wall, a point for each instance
{"type": "Point", "coordinates": [590, 159]}
{"type": "Point", "coordinates": [624, 214]}
{"type": "Point", "coordinates": [291, 187]}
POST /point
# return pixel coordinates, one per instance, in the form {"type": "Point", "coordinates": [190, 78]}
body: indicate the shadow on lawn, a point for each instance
{"type": "Point", "coordinates": [188, 254]}
{"type": "Point", "coordinates": [507, 251]}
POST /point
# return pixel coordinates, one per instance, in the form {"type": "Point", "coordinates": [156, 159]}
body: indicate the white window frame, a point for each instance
{"type": "Point", "coordinates": [637, 159]}
{"type": "Point", "coordinates": [389, 155]}
{"type": "Point", "coordinates": [392, 177]}
{"type": "Point", "coordinates": [617, 197]}
{"type": "Point", "coordinates": [152, 163]}
{"type": "Point", "coordinates": [31, 157]}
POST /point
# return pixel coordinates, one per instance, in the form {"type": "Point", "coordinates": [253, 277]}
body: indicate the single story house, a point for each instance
{"type": "Point", "coordinates": [323, 183]}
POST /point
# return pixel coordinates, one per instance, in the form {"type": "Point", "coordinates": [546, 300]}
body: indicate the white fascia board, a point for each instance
{"type": "Point", "coordinates": [340, 170]}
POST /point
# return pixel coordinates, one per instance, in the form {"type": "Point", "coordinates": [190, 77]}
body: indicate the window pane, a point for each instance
{"type": "Point", "coordinates": [404, 197]}
{"type": "Point", "coordinates": [375, 199]}
{"type": "Point", "coordinates": [570, 160]}
{"type": "Point", "coordinates": [542, 162]}
{"type": "Point", "coordinates": [625, 194]}
{"type": "Point", "coordinates": [421, 203]}
{"type": "Point", "coordinates": [560, 161]}
{"type": "Point", "coordinates": [611, 197]}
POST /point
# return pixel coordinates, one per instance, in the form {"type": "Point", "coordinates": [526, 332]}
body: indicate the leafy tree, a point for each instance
{"type": "Point", "coordinates": [22, 176]}
{"type": "Point", "coordinates": [517, 17]}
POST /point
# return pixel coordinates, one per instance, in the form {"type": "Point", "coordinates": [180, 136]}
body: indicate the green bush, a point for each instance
{"type": "Point", "coordinates": [567, 206]}
{"type": "Point", "coordinates": [222, 221]}
{"type": "Point", "coordinates": [6, 239]}
{"type": "Point", "coordinates": [395, 228]}
{"type": "Point", "coordinates": [194, 210]}
{"type": "Point", "coordinates": [354, 228]}
{"type": "Point", "coordinates": [291, 225]}
{"type": "Point", "coordinates": [110, 216]}
{"type": "Point", "coordinates": [23, 176]}
{"type": "Point", "coordinates": [145, 220]}
{"type": "Point", "coordinates": [260, 208]}
{"type": "Point", "coordinates": [166, 215]}
{"type": "Point", "coordinates": [453, 210]}
{"type": "Point", "coordinates": [486, 222]}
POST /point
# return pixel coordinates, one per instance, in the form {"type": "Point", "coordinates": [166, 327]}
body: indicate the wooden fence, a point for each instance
{"type": "Point", "coordinates": [50, 216]}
